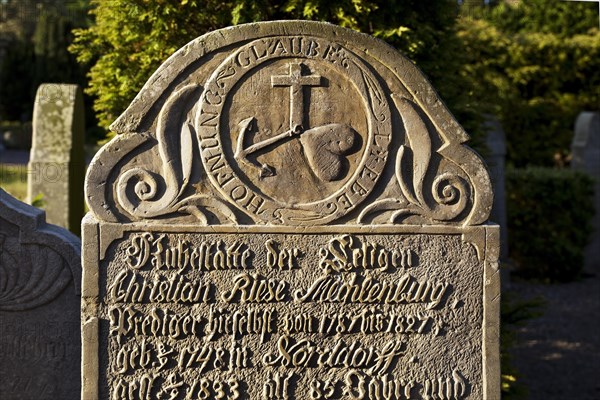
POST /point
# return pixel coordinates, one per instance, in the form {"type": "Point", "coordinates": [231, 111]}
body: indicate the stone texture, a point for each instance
{"type": "Point", "coordinates": [288, 212]}
{"type": "Point", "coordinates": [40, 275]}
{"type": "Point", "coordinates": [57, 165]}
{"type": "Point", "coordinates": [586, 158]}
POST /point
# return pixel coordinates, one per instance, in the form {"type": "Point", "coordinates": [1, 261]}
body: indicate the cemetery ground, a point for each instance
{"type": "Point", "coordinates": [556, 348]}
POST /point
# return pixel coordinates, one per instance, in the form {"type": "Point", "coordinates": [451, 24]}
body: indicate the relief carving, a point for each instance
{"type": "Point", "coordinates": [331, 316]}
{"type": "Point", "coordinates": [40, 293]}
{"type": "Point", "coordinates": [436, 196]}
{"type": "Point", "coordinates": [37, 261]}
{"type": "Point", "coordinates": [288, 211]}
{"type": "Point", "coordinates": [290, 130]}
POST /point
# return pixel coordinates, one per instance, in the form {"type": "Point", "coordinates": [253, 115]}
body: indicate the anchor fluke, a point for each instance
{"type": "Point", "coordinates": [266, 170]}
{"type": "Point", "coordinates": [246, 126]}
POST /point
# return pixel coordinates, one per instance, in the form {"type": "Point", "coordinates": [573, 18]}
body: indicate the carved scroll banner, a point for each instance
{"type": "Point", "coordinates": [289, 211]}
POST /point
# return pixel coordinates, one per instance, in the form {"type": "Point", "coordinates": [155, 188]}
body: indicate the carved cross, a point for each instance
{"type": "Point", "coordinates": [296, 81]}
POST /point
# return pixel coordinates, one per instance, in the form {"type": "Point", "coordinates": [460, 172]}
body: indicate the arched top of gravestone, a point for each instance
{"type": "Point", "coordinates": [37, 260]}
{"type": "Point", "coordinates": [587, 130]}
{"type": "Point", "coordinates": [288, 123]}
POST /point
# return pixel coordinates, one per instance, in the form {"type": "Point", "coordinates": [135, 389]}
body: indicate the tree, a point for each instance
{"type": "Point", "coordinates": [15, 88]}
{"type": "Point", "coordinates": [130, 39]}
{"type": "Point", "coordinates": [561, 18]}
{"type": "Point", "coordinates": [38, 34]}
{"type": "Point", "coordinates": [535, 76]}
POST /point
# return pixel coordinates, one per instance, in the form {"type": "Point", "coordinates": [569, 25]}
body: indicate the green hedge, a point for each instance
{"type": "Point", "coordinates": [549, 221]}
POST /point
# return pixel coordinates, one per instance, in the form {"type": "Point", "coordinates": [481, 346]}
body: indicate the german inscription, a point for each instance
{"type": "Point", "coordinates": [319, 316]}
{"type": "Point", "coordinates": [289, 212]}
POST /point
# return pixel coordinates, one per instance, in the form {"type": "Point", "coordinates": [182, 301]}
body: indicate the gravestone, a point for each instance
{"type": "Point", "coordinates": [40, 275]}
{"type": "Point", "coordinates": [586, 158]}
{"type": "Point", "coordinates": [496, 144]}
{"type": "Point", "coordinates": [56, 165]}
{"type": "Point", "coordinates": [288, 211]}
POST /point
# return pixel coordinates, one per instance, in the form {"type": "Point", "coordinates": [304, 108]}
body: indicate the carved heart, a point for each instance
{"type": "Point", "coordinates": [325, 147]}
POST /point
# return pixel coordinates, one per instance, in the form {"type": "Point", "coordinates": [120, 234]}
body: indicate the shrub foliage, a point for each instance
{"type": "Point", "coordinates": [37, 35]}
{"type": "Point", "coordinates": [549, 213]}
{"type": "Point", "coordinates": [131, 38]}
{"type": "Point", "coordinates": [535, 66]}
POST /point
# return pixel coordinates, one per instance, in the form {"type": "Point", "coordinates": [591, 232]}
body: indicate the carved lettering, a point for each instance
{"type": "Point", "coordinates": [255, 289]}
{"type": "Point", "coordinates": [131, 287]}
{"type": "Point", "coordinates": [203, 388]}
{"type": "Point", "coordinates": [205, 357]}
{"type": "Point", "coordinates": [347, 253]}
{"type": "Point", "coordinates": [405, 290]}
{"type": "Point", "coordinates": [360, 386]}
{"type": "Point", "coordinates": [135, 389]}
{"type": "Point", "coordinates": [130, 321]}
{"type": "Point", "coordinates": [170, 312]}
{"type": "Point", "coordinates": [448, 388]}
{"type": "Point", "coordinates": [182, 255]}
{"type": "Point", "coordinates": [281, 258]}
{"type": "Point", "coordinates": [132, 356]}
{"type": "Point", "coordinates": [240, 323]}
{"type": "Point", "coordinates": [209, 119]}
{"type": "Point", "coordinates": [306, 354]}
{"type": "Point", "coordinates": [277, 386]}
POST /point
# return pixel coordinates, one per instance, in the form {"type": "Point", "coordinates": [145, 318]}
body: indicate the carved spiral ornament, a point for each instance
{"type": "Point", "coordinates": [145, 188]}
{"type": "Point", "coordinates": [451, 191]}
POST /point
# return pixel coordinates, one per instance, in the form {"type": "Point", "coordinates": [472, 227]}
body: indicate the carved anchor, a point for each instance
{"type": "Point", "coordinates": [324, 145]}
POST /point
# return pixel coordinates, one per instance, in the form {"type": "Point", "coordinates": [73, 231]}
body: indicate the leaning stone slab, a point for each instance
{"type": "Point", "coordinates": [40, 275]}
{"type": "Point", "coordinates": [289, 211]}
{"type": "Point", "coordinates": [57, 165]}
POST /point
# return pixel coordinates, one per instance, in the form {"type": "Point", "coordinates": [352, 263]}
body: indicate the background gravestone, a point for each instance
{"type": "Point", "coordinates": [586, 157]}
{"type": "Point", "coordinates": [288, 212]}
{"type": "Point", "coordinates": [56, 165]}
{"type": "Point", "coordinates": [40, 274]}
{"type": "Point", "coordinates": [496, 144]}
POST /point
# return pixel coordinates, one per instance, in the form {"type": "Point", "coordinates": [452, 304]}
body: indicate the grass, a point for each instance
{"type": "Point", "coordinates": [13, 179]}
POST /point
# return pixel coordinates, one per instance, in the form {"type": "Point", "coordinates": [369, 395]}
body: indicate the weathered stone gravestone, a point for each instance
{"type": "Point", "coordinates": [496, 144]}
{"type": "Point", "coordinates": [57, 164]}
{"type": "Point", "coordinates": [288, 212]}
{"type": "Point", "coordinates": [40, 276]}
{"type": "Point", "coordinates": [586, 157]}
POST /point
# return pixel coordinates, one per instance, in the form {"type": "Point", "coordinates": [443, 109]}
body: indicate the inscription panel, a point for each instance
{"type": "Point", "coordinates": [290, 316]}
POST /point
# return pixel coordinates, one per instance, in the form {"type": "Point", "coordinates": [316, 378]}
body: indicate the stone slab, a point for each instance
{"type": "Point", "coordinates": [56, 165]}
{"type": "Point", "coordinates": [289, 211]}
{"type": "Point", "coordinates": [320, 310]}
{"type": "Point", "coordinates": [586, 158]}
{"type": "Point", "coordinates": [40, 275]}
